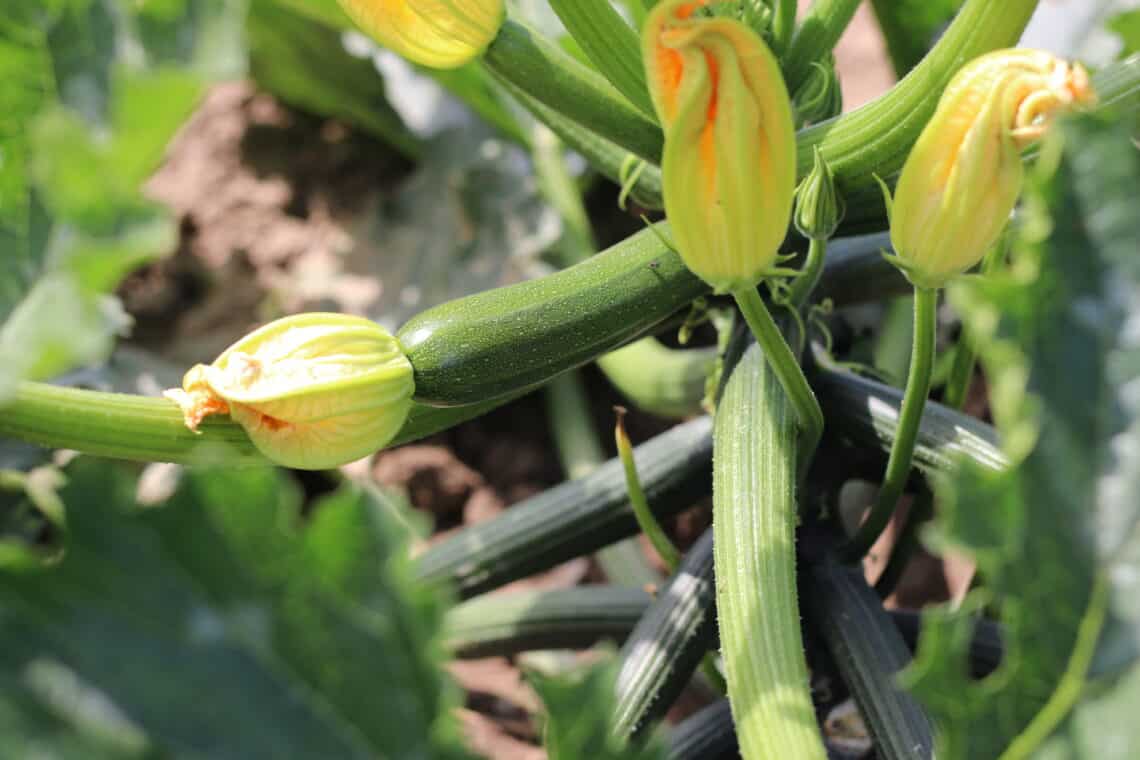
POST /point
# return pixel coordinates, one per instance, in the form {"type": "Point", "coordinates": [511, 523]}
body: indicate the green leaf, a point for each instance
{"type": "Point", "coordinates": [911, 27]}
{"type": "Point", "coordinates": [1126, 25]}
{"type": "Point", "coordinates": [94, 90]}
{"type": "Point", "coordinates": [579, 716]}
{"type": "Point", "coordinates": [221, 625]}
{"type": "Point", "coordinates": [1059, 340]}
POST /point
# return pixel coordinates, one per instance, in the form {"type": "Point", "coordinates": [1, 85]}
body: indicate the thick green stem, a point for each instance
{"type": "Point", "coordinates": [150, 429]}
{"type": "Point", "coordinates": [783, 24]}
{"type": "Point", "coordinates": [902, 451]}
{"type": "Point", "coordinates": [537, 66]}
{"type": "Point", "coordinates": [871, 140]}
{"type": "Point", "coordinates": [610, 44]}
{"type": "Point", "coordinates": [786, 368]}
{"type": "Point", "coordinates": [876, 138]}
{"type": "Point", "coordinates": [816, 35]}
{"type": "Point", "coordinates": [754, 519]}
{"type": "Point", "coordinates": [606, 156]}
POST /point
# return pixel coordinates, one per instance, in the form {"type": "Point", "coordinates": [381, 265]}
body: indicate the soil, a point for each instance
{"type": "Point", "coordinates": [266, 197]}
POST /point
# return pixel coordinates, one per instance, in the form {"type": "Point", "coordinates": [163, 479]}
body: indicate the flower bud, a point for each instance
{"type": "Point", "coordinates": [729, 163]}
{"type": "Point", "coordinates": [820, 97]}
{"type": "Point", "coordinates": [819, 206]}
{"type": "Point", "coordinates": [312, 391]}
{"type": "Point", "coordinates": [963, 176]}
{"type": "Point", "coordinates": [441, 34]}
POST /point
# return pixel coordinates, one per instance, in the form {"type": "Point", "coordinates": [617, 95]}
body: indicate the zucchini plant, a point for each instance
{"type": "Point", "coordinates": [994, 185]}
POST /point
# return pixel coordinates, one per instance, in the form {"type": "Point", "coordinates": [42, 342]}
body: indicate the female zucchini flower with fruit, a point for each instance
{"type": "Point", "coordinates": [312, 391]}
{"type": "Point", "coordinates": [729, 163]}
{"type": "Point", "coordinates": [440, 34]}
{"type": "Point", "coordinates": [964, 174]}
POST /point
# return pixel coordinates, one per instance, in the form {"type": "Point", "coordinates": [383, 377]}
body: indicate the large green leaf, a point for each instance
{"type": "Point", "coordinates": [1061, 347]}
{"type": "Point", "coordinates": [219, 625]}
{"type": "Point", "coordinates": [94, 90]}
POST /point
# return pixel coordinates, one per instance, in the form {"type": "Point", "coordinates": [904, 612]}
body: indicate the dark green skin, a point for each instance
{"type": "Point", "coordinates": [503, 341]}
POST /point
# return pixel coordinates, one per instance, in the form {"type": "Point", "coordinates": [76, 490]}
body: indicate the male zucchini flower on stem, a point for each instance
{"type": "Point", "coordinates": [962, 178]}
{"type": "Point", "coordinates": [729, 163]}
{"type": "Point", "coordinates": [440, 34]}
{"type": "Point", "coordinates": [312, 391]}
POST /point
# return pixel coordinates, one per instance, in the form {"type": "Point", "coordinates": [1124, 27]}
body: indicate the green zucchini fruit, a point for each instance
{"type": "Point", "coordinates": [501, 341]}
{"type": "Point", "coordinates": [575, 518]}
{"type": "Point", "coordinates": [662, 652]}
{"type": "Point", "coordinates": [705, 735]}
{"type": "Point", "coordinates": [501, 625]}
{"type": "Point", "coordinates": [869, 652]}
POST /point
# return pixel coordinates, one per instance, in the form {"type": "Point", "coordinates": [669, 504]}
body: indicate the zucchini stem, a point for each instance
{"type": "Point", "coordinates": [803, 286]}
{"type": "Point", "coordinates": [902, 450]}
{"type": "Point", "coordinates": [787, 370]}
{"type": "Point", "coordinates": [816, 35]}
{"type": "Point", "coordinates": [754, 522]}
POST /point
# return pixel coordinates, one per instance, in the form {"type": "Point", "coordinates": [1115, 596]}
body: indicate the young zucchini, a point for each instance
{"type": "Point", "coordinates": [501, 341]}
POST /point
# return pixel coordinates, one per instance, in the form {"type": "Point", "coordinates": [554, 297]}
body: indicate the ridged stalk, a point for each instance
{"type": "Point", "coordinates": [610, 44]}
{"type": "Point", "coordinates": [876, 138]}
{"type": "Point", "coordinates": [540, 68]}
{"type": "Point", "coordinates": [816, 35]}
{"type": "Point", "coordinates": [754, 519]}
{"type": "Point", "coordinates": [151, 429]}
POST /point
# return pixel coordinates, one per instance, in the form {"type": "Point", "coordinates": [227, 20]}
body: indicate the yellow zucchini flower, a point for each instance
{"type": "Point", "coordinates": [440, 34]}
{"type": "Point", "coordinates": [312, 391]}
{"type": "Point", "coordinates": [729, 163]}
{"type": "Point", "coordinates": [964, 174]}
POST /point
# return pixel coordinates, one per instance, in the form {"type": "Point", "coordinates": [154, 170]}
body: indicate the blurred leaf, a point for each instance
{"type": "Point", "coordinates": [579, 716]}
{"type": "Point", "coordinates": [911, 27]}
{"type": "Point", "coordinates": [1126, 25]}
{"type": "Point", "coordinates": [306, 64]}
{"type": "Point", "coordinates": [98, 89]}
{"type": "Point", "coordinates": [222, 626]}
{"type": "Point", "coordinates": [1060, 339]}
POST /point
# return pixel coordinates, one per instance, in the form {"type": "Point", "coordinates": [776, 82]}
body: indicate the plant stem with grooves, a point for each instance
{"type": "Point", "coordinates": [902, 450]}
{"type": "Point", "coordinates": [754, 521]}
{"type": "Point", "coordinates": [786, 368]}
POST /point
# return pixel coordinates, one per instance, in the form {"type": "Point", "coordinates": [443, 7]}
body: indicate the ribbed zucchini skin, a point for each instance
{"type": "Point", "coordinates": [705, 735]}
{"type": "Point", "coordinates": [501, 341]}
{"type": "Point", "coordinates": [869, 652]}
{"type": "Point", "coordinates": [668, 643]}
{"type": "Point", "coordinates": [575, 518]}
{"type": "Point", "coordinates": [499, 625]}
